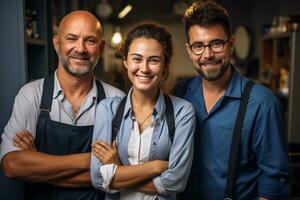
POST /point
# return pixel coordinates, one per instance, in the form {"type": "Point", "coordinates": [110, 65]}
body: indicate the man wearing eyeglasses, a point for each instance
{"type": "Point", "coordinates": [262, 169]}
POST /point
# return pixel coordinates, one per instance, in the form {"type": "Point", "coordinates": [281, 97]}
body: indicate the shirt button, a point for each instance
{"type": "Point", "coordinates": [154, 143]}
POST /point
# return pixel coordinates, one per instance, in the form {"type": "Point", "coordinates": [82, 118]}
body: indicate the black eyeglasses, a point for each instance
{"type": "Point", "coordinates": [217, 46]}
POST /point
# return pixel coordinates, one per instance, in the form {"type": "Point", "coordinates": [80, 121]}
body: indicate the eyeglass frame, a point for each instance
{"type": "Point", "coordinates": [209, 46]}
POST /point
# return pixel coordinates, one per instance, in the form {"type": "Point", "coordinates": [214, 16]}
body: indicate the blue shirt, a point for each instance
{"type": "Point", "coordinates": [179, 152]}
{"type": "Point", "coordinates": [263, 164]}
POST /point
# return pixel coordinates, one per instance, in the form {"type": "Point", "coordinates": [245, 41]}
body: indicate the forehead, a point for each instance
{"type": "Point", "coordinates": [206, 33]}
{"type": "Point", "coordinates": [145, 46]}
{"type": "Point", "coordinates": [81, 25]}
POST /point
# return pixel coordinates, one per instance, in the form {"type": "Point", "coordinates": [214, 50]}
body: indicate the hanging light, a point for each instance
{"type": "Point", "coordinates": [104, 9]}
{"type": "Point", "coordinates": [125, 11]}
{"type": "Point", "coordinates": [116, 38]}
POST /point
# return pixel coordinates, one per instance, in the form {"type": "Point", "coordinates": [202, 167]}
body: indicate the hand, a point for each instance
{"type": "Point", "coordinates": [105, 153]}
{"type": "Point", "coordinates": [24, 141]}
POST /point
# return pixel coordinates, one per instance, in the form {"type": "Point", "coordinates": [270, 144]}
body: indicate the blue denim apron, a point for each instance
{"type": "Point", "coordinates": [57, 138]}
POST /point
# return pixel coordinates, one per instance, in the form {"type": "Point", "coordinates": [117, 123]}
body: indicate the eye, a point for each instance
{"type": "Point", "coordinates": [154, 61]}
{"type": "Point", "coordinates": [197, 46]}
{"type": "Point", "coordinates": [71, 39]}
{"type": "Point", "coordinates": [216, 44]}
{"type": "Point", "coordinates": [137, 59]}
{"type": "Point", "coordinates": [91, 41]}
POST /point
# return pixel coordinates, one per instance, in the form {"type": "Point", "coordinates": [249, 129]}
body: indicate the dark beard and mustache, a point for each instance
{"type": "Point", "coordinates": [212, 75]}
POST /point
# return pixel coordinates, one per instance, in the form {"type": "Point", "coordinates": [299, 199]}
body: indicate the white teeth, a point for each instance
{"type": "Point", "coordinates": [145, 78]}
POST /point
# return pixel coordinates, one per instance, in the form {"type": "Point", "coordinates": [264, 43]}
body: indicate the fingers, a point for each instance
{"type": "Point", "coordinates": [105, 153]}
{"type": "Point", "coordinates": [104, 145]}
{"type": "Point", "coordinates": [19, 142]}
{"type": "Point", "coordinates": [98, 154]}
{"type": "Point", "coordinates": [24, 141]}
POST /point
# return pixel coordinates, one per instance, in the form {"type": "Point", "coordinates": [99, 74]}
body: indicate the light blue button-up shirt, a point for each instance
{"type": "Point", "coordinates": [179, 152]}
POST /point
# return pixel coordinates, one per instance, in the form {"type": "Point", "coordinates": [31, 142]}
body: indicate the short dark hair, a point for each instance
{"type": "Point", "coordinates": [149, 30]}
{"type": "Point", "coordinates": [206, 14]}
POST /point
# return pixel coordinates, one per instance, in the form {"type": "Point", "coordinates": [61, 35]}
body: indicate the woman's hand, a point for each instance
{"type": "Point", "coordinates": [24, 141]}
{"type": "Point", "coordinates": [105, 153]}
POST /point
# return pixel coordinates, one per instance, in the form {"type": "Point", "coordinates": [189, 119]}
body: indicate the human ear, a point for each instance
{"type": "Point", "coordinates": [55, 41]}
{"type": "Point", "coordinates": [232, 44]}
{"type": "Point", "coordinates": [187, 47]}
{"type": "Point", "coordinates": [125, 63]}
{"type": "Point", "coordinates": [102, 45]}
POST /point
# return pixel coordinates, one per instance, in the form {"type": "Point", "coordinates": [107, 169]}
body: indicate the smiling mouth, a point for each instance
{"type": "Point", "coordinates": [79, 58]}
{"type": "Point", "coordinates": [144, 78]}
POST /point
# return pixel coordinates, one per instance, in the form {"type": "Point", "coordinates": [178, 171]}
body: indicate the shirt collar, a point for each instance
{"type": "Point", "coordinates": [234, 88]}
{"type": "Point", "coordinates": [59, 93]}
{"type": "Point", "coordinates": [159, 107]}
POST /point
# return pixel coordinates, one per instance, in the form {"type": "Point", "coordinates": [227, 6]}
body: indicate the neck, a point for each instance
{"type": "Point", "coordinates": [144, 100]}
{"type": "Point", "coordinates": [73, 86]}
{"type": "Point", "coordinates": [220, 85]}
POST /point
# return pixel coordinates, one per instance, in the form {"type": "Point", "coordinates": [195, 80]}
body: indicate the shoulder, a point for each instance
{"type": "Point", "coordinates": [181, 106]}
{"type": "Point", "coordinates": [111, 91]}
{"type": "Point", "coordinates": [263, 96]}
{"type": "Point", "coordinates": [182, 86]}
{"type": "Point", "coordinates": [32, 91]}
{"type": "Point", "coordinates": [109, 105]}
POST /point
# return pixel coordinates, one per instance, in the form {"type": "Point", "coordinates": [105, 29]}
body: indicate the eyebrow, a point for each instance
{"type": "Point", "coordinates": [136, 54]}
{"type": "Point", "coordinates": [74, 35]}
{"type": "Point", "coordinates": [214, 40]}
{"type": "Point", "coordinates": [70, 34]}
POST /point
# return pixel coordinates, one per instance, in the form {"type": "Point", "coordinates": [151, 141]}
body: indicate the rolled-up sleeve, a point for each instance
{"type": "Point", "coordinates": [174, 179]}
{"type": "Point", "coordinates": [270, 146]}
{"type": "Point", "coordinates": [101, 175]}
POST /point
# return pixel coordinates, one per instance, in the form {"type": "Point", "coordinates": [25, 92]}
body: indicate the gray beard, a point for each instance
{"type": "Point", "coordinates": [76, 73]}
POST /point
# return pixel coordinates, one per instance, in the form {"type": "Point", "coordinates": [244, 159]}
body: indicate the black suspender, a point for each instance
{"type": "Point", "coordinates": [170, 117]}
{"type": "Point", "coordinates": [235, 143]}
{"type": "Point", "coordinates": [47, 94]}
{"type": "Point", "coordinates": [116, 123]}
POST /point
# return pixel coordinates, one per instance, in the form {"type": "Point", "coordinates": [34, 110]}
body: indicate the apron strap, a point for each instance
{"type": "Point", "coordinates": [48, 88]}
{"type": "Point", "coordinates": [101, 92]}
{"type": "Point", "coordinates": [47, 94]}
{"type": "Point", "coordinates": [235, 143]}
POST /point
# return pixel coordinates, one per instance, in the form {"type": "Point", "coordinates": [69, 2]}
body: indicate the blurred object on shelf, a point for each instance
{"type": "Point", "coordinates": [282, 24]}
{"type": "Point", "coordinates": [266, 74]}
{"type": "Point", "coordinates": [31, 24]}
{"type": "Point", "coordinates": [284, 81]}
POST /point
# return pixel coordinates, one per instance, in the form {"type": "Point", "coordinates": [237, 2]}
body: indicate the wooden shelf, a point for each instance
{"type": "Point", "coordinates": [279, 70]}
{"type": "Point", "coordinates": [36, 41]}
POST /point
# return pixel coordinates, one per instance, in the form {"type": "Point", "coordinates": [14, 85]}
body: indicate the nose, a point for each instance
{"type": "Point", "coordinates": [144, 67]}
{"type": "Point", "coordinates": [208, 53]}
{"type": "Point", "coordinates": [80, 46]}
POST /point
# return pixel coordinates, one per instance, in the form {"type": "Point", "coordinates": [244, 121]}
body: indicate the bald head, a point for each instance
{"type": "Point", "coordinates": [83, 17]}
{"type": "Point", "coordinates": [79, 43]}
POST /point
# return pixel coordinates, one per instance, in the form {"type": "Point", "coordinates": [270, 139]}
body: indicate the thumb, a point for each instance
{"type": "Point", "coordinates": [114, 144]}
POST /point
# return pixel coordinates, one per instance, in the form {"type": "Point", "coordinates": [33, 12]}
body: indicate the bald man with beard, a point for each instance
{"type": "Point", "coordinates": [47, 141]}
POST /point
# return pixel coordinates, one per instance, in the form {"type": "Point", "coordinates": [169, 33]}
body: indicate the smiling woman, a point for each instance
{"type": "Point", "coordinates": [146, 160]}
